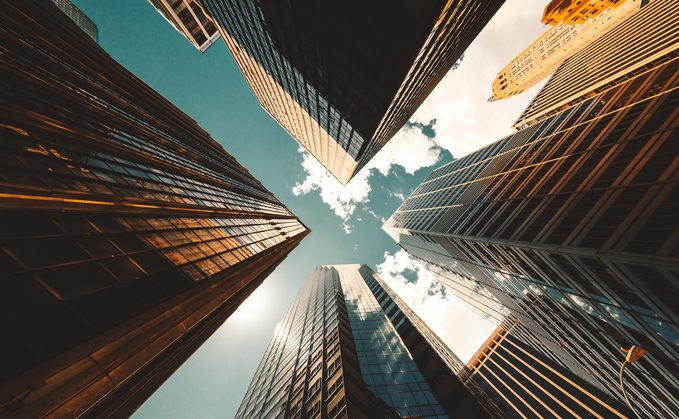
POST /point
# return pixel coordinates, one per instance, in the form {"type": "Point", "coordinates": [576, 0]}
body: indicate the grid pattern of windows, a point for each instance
{"type": "Point", "coordinates": [79, 18]}
{"type": "Point", "coordinates": [558, 44]}
{"type": "Point", "coordinates": [188, 17]}
{"type": "Point", "coordinates": [127, 234]}
{"type": "Point", "coordinates": [386, 365]}
{"type": "Point", "coordinates": [635, 44]}
{"type": "Point", "coordinates": [532, 385]}
{"type": "Point", "coordinates": [343, 77]}
{"type": "Point", "coordinates": [571, 225]}
{"type": "Point", "coordinates": [349, 347]}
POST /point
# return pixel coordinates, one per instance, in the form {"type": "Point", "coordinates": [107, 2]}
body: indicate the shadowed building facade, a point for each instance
{"type": "Point", "coordinates": [571, 225]}
{"type": "Point", "coordinates": [342, 77]}
{"type": "Point", "coordinates": [188, 17]}
{"type": "Point", "coordinates": [531, 385]}
{"type": "Point", "coordinates": [127, 234]}
{"type": "Point", "coordinates": [348, 347]}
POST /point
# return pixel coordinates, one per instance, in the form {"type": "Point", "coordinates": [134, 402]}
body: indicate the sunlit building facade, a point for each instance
{"type": "Point", "coordinates": [555, 46]}
{"type": "Point", "coordinates": [127, 234]}
{"type": "Point", "coordinates": [571, 12]}
{"type": "Point", "coordinates": [531, 385]}
{"type": "Point", "coordinates": [189, 18]}
{"type": "Point", "coordinates": [571, 226]}
{"type": "Point", "coordinates": [342, 77]}
{"type": "Point", "coordinates": [348, 347]}
{"type": "Point", "coordinates": [642, 40]}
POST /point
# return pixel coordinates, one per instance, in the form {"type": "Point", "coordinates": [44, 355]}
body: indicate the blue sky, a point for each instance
{"type": "Point", "coordinates": [345, 222]}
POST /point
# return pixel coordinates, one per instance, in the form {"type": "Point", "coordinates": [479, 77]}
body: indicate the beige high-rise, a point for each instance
{"type": "Point", "coordinates": [544, 56]}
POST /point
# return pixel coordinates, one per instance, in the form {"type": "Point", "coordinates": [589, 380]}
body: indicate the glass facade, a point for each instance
{"type": "Point", "coordinates": [348, 347]}
{"type": "Point", "coordinates": [189, 18]}
{"type": "Point", "coordinates": [529, 384]}
{"type": "Point", "coordinates": [570, 226]}
{"type": "Point", "coordinates": [643, 40]}
{"type": "Point", "coordinates": [79, 18]}
{"type": "Point", "coordinates": [555, 46]}
{"type": "Point", "coordinates": [343, 77]}
{"type": "Point", "coordinates": [127, 234]}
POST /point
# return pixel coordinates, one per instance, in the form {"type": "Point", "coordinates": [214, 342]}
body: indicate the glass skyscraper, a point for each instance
{"type": "Point", "coordinates": [348, 347]}
{"type": "Point", "coordinates": [530, 384]}
{"type": "Point", "coordinates": [342, 77]}
{"type": "Point", "coordinates": [646, 38]}
{"type": "Point", "coordinates": [571, 225]}
{"type": "Point", "coordinates": [127, 234]}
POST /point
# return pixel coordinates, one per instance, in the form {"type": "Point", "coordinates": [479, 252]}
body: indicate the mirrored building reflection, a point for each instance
{"type": "Point", "coordinates": [570, 225]}
{"type": "Point", "coordinates": [348, 347]}
{"type": "Point", "coordinates": [79, 18]}
{"type": "Point", "coordinates": [342, 77]}
{"type": "Point", "coordinates": [528, 383]}
{"type": "Point", "coordinates": [127, 234]}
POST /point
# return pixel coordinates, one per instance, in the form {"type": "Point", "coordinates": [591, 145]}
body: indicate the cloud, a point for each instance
{"type": "Point", "coordinates": [457, 109]}
{"type": "Point", "coordinates": [341, 199]}
{"type": "Point", "coordinates": [379, 217]}
{"type": "Point", "coordinates": [464, 120]}
{"type": "Point", "coordinates": [410, 148]}
{"type": "Point", "coordinates": [461, 329]}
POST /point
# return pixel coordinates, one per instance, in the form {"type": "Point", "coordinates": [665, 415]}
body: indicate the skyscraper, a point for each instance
{"type": "Point", "coordinates": [643, 40]}
{"type": "Point", "coordinates": [348, 347]}
{"type": "Point", "coordinates": [127, 234]}
{"type": "Point", "coordinates": [342, 77]}
{"type": "Point", "coordinates": [571, 226]}
{"type": "Point", "coordinates": [79, 18]}
{"type": "Point", "coordinates": [544, 56]}
{"type": "Point", "coordinates": [189, 18]}
{"type": "Point", "coordinates": [530, 384]}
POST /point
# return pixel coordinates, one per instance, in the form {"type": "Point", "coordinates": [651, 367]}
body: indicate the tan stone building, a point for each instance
{"type": "Point", "coordinates": [570, 34]}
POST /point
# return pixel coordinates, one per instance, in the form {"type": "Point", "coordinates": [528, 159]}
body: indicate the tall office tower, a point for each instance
{"type": "Point", "coordinates": [571, 225]}
{"type": "Point", "coordinates": [574, 30]}
{"type": "Point", "coordinates": [641, 41]}
{"type": "Point", "coordinates": [127, 234]}
{"type": "Point", "coordinates": [79, 18]}
{"type": "Point", "coordinates": [189, 18]}
{"type": "Point", "coordinates": [530, 384]}
{"type": "Point", "coordinates": [348, 347]}
{"type": "Point", "coordinates": [572, 12]}
{"type": "Point", "coordinates": [342, 77]}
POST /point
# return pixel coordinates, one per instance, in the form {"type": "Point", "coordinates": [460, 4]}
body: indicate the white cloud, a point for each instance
{"type": "Point", "coordinates": [341, 199]}
{"type": "Point", "coordinates": [461, 329]}
{"type": "Point", "coordinates": [409, 148]}
{"type": "Point", "coordinates": [379, 217]}
{"type": "Point", "coordinates": [465, 121]}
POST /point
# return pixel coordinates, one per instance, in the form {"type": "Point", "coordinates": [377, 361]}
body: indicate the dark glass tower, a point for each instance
{"type": "Point", "coordinates": [530, 384]}
{"type": "Point", "coordinates": [127, 234]}
{"type": "Point", "coordinates": [342, 77]}
{"type": "Point", "coordinates": [348, 347]}
{"type": "Point", "coordinates": [571, 225]}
